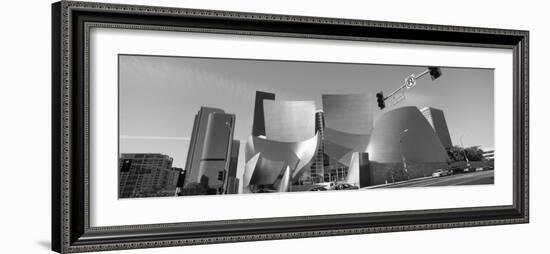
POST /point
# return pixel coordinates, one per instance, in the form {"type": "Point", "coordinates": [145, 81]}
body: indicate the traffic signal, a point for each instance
{"type": "Point", "coordinates": [435, 72]}
{"type": "Point", "coordinates": [380, 100]}
{"type": "Point", "coordinates": [221, 175]}
{"type": "Point", "coordinates": [181, 179]}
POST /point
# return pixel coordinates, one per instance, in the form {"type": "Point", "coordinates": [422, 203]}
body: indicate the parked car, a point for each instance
{"type": "Point", "coordinates": [327, 185]}
{"type": "Point", "coordinates": [345, 186]}
{"type": "Point", "coordinates": [318, 188]}
{"type": "Point", "coordinates": [442, 172]}
{"type": "Point", "coordinates": [467, 169]}
{"type": "Point", "coordinates": [456, 170]}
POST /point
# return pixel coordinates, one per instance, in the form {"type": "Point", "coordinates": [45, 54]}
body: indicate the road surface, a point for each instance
{"type": "Point", "coordinates": [481, 177]}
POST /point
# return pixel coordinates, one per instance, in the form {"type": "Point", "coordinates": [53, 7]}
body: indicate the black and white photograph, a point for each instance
{"type": "Point", "coordinates": [214, 126]}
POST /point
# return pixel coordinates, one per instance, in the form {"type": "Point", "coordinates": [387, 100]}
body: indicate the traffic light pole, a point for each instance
{"type": "Point", "coordinates": [410, 81]}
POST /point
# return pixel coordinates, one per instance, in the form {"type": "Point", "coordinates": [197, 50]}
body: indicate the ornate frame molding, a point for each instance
{"type": "Point", "coordinates": [71, 22]}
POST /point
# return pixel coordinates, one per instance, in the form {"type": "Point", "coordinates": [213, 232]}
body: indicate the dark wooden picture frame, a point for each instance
{"type": "Point", "coordinates": [71, 231]}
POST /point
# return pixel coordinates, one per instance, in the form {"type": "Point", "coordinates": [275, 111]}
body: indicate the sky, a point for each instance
{"type": "Point", "coordinates": [160, 95]}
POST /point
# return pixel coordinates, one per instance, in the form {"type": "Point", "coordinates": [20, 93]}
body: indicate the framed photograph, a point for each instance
{"type": "Point", "coordinates": [182, 126]}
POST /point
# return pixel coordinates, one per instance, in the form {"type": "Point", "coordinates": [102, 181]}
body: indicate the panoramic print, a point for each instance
{"type": "Point", "coordinates": [214, 126]}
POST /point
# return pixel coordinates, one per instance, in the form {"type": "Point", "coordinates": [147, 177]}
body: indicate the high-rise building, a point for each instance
{"type": "Point", "coordinates": [147, 175]}
{"type": "Point", "coordinates": [171, 179]}
{"type": "Point", "coordinates": [258, 125]}
{"type": "Point", "coordinates": [196, 144]}
{"type": "Point", "coordinates": [436, 118]}
{"type": "Point", "coordinates": [209, 156]}
{"type": "Point", "coordinates": [232, 182]}
{"type": "Point", "coordinates": [234, 158]}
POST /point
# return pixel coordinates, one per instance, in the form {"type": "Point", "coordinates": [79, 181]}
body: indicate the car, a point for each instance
{"type": "Point", "coordinates": [441, 172]}
{"type": "Point", "coordinates": [467, 169]}
{"type": "Point", "coordinates": [327, 185]}
{"type": "Point", "coordinates": [345, 186]}
{"type": "Point", "coordinates": [318, 188]}
{"type": "Point", "coordinates": [456, 170]}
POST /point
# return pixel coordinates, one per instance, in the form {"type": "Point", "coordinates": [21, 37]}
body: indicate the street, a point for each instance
{"type": "Point", "coordinates": [481, 177]}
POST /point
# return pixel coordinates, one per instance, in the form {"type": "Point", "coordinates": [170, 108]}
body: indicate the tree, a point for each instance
{"type": "Point", "coordinates": [396, 175]}
{"type": "Point", "coordinates": [474, 153]}
{"type": "Point", "coordinates": [456, 153]}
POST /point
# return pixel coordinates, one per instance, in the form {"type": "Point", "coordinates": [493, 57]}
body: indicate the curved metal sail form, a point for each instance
{"type": "Point", "coordinates": [349, 123]}
{"type": "Point", "coordinates": [267, 160]}
{"type": "Point", "coordinates": [405, 132]}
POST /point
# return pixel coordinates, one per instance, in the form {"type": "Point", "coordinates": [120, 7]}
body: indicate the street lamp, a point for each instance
{"type": "Point", "coordinates": [401, 150]}
{"type": "Point", "coordinates": [464, 152]}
